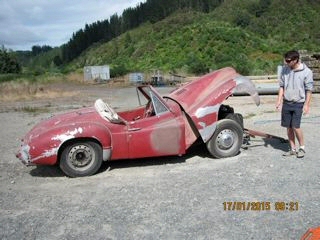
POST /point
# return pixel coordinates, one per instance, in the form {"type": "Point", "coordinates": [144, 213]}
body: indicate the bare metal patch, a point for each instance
{"type": "Point", "coordinates": [68, 135]}
{"type": "Point", "coordinates": [24, 153]}
{"type": "Point", "coordinates": [166, 139]}
{"type": "Point", "coordinates": [202, 112]}
{"type": "Point", "coordinates": [207, 131]}
{"type": "Point", "coordinates": [47, 153]}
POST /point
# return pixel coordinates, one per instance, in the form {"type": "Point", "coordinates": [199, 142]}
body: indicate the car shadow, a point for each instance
{"type": "Point", "coordinates": [47, 171]}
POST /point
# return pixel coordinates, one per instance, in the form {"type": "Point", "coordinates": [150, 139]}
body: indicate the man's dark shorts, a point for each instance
{"type": "Point", "coordinates": [291, 114]}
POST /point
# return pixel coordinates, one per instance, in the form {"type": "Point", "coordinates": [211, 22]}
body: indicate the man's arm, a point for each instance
{"type": "Point", "coordinates": [306, 107]}
{"type": "Point", "coordinates": [280, 97]}
{"type": "Point", "coordinates": [308, 87]}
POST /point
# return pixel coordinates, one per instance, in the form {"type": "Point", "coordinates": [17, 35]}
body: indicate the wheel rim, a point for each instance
{"type": "Point", "coordinates": [226, 139]}
{"type": "Point", "coordinates": [81, 156]}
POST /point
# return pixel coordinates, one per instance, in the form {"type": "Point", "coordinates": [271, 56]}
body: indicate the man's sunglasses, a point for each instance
{"type": "Point", "coordinates": [289, 60]}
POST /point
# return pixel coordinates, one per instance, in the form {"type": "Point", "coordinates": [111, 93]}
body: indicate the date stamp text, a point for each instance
{"type": "Point", "coordinates": [261, 206]}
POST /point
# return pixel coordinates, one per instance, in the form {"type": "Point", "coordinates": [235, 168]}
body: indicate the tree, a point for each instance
{"type": "Point", "coordinates": [36, 50]}
{"type": "Point", "coordinates": [57, 61]}
{"type": "Point", "coordinates": [196, 65]}
{"type": "Point", "coordinates": [8, 63]}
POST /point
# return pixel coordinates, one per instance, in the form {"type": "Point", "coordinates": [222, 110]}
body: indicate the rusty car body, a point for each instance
{"type": "Point", "coordinates": [166, 125]}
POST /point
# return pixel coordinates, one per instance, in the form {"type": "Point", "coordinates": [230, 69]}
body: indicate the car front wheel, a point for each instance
{"type": "Point", "coordinates": [82, 158]}
{"type": "Point", "coordinates": [226, 140]}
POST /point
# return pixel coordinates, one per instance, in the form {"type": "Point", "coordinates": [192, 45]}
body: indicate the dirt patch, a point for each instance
{"type": "Point", "coordinates": [163, 198]}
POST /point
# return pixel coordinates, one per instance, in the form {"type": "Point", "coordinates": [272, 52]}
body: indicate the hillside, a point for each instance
{"type": "Point", "coordinates": [249, 35]}
{"type": "Point", "coordinates": [185, 41]}
{"type": "Point", "coordinates": [240, 34]}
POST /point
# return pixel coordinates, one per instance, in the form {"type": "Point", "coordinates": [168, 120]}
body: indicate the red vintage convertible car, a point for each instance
{"type": "Point", "coordinates": [166, 125]}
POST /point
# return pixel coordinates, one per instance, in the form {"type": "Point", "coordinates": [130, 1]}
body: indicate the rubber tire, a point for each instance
{"type": "Point", "coordinates": [75, 149]}
{"type": "Point", "coordinates": [229, 128]}
{"type": "Point", "coordinates": [236, 117]}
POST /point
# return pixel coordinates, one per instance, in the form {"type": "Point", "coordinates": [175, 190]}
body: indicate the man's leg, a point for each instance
{"type": "Point", "coordinates": [286, 119]}
{"type": "Point", "coordinates": [291, 137]}
{"type": "Point", "coordinates": [299, 134]}
{"type": "Point", "coordinates": [296, 121]}
{"type": "Point", "coordinates": [301, 151]}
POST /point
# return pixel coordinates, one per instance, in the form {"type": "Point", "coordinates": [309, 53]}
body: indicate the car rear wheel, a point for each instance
{"type": "Point", "coordinates": [82, 158]}
{"type": "Point", "coordinates": [226, 140]}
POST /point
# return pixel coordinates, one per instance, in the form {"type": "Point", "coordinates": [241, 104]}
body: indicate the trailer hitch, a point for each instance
{"type": "Point", "coordinates": [253, 133]}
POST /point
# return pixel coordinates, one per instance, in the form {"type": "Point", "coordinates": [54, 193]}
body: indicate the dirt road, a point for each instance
{"type": "Point", "coordinates": [189, 197]}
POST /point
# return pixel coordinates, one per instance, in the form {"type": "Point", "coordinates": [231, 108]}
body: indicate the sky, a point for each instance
{"type": "Point", "coordinates": [27, 23]}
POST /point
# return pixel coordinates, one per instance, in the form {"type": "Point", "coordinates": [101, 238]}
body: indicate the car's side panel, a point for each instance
{"type": "Point", "coordinates": [120, 144]}
{"type": "Point", "coordinates": [157, 136]}
{"type": "Point", "coordinates": [191, 132]}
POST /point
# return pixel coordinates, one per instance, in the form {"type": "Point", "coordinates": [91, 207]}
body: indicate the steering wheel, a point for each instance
{"type": "Point", "coordinates": [149, 111]}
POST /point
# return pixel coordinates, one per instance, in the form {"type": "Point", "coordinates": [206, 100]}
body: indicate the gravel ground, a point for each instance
{"type": "Point", "coordinates": [164, 198]}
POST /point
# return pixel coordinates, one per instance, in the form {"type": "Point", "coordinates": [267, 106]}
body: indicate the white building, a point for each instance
{"type": "Point", "coordinates": [96, 73]}
{"type": "Point", "coordinates": [136, 77]}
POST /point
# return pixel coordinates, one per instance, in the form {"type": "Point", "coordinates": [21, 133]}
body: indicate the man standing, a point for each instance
{"type": "Point", "coordinates": [296, 84]}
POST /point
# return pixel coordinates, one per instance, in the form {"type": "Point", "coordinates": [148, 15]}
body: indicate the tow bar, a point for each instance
{"type": "Point", "coordinates": [253, 133]}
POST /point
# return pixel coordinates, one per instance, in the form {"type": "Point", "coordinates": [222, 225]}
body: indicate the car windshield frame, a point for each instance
{"type": "Point", "coordinates": [158, 103]}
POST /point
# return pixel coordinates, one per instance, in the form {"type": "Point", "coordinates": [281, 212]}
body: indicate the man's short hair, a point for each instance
{"type": "Point", "coordinates": [293, 55]}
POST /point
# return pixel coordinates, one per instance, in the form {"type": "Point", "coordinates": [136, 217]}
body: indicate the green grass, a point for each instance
{"type": "Point", "coordinates": [33, 109]}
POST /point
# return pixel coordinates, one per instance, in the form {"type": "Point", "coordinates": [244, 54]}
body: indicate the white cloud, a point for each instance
{"type": "Point", "coordinates": [25, 23]}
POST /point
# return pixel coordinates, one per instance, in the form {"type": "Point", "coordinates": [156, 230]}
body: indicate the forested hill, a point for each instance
{"type": "Point", "coordinates": [151, 11]}
{"type": "Point", "coordinates": [193, 36]}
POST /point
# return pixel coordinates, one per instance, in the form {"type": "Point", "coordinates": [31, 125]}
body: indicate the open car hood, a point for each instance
{"type": "Point", "coordinates": [212, 89]}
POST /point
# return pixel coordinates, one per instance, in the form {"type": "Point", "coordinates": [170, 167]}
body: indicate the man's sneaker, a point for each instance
{"type": "Point", "coordinates": [290, 153]}
{"type": "Point", "coordinates": [300, 153]}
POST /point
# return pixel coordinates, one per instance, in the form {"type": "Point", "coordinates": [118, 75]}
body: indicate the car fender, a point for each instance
{"type": "Point", "coordinates": [58, 137]}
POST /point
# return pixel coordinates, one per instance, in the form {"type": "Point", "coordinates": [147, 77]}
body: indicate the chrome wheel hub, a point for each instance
{"type": "Point", "coordinates": [225, 139]}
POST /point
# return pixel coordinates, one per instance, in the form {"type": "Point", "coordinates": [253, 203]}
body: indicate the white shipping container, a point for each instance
{"type": "Point", "coordinates": [96, 73]}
